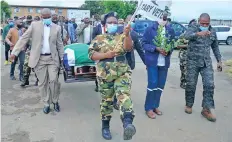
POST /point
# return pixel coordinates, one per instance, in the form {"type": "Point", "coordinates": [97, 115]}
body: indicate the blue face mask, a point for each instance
{"type": "Point", "coordinates": [132, 25]}
{"type": "Point", "coordinates": [204, 28]}
{"type": "Point", "coordinates": [47, 21]}
{"type": "Point", "coordinates": [112, 28]}
{"type": "Point", "coordinates": [11, 24]}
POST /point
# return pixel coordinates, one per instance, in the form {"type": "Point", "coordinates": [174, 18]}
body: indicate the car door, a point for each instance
{"type": "Point", "coordinates": [222, 33]}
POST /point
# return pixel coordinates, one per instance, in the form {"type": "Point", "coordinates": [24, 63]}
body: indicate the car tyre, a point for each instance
{"type": "Point", "coordinates": [229, 41]}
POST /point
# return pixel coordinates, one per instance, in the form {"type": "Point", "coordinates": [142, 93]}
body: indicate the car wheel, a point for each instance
{"type": "Point", "coordinates": [229, 41]}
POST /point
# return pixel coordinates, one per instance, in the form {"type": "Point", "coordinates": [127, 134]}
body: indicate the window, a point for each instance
{"type": "Point", "coordinates": [223, 29]}
{"type": "Point", "coordinates": [30, 10]}
{"type": "Point", "coordinates": [16, 9]}
{"type": "Point", "coordinates": [60, 11]}
{"type": "Point", "coordinates": [38, 10]}
{"type": "Point", "coordinates": [53, 10]}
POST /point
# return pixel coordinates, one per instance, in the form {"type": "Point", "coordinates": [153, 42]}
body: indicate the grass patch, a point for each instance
{"type": "Point", "coordinates": [228, 63]}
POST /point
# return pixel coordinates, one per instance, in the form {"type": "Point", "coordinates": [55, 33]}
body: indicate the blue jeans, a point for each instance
{"type": "Point", "coordinates": [156, 81]}
{"type": "Point", "coordinates": [21, 58]}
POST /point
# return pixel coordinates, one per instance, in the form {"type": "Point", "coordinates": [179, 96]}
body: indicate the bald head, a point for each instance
{"type": "Point", "coordinates": [205, 16]}
{"type": "Point", "coordinates": [46, 13]}
{"type": "Point", "coordinates": [204, 20]}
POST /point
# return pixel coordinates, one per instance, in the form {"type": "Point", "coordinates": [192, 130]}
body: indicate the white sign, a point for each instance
{"type": "Point", "coordinates": [78, 14]}
{"type": "Point", "coordinates": [153, 9]}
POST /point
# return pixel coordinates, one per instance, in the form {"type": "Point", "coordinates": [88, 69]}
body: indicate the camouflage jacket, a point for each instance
{"type": "Point", "coordinates": [103, 44]}
{"type": "Point", "coordinates": [199, 46]}
{"type": "Point", "coordinates": [183, 51]}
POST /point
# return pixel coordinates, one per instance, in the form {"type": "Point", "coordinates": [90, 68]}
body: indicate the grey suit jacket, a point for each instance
{"type": "Point", "coordinates": [36, 33]}
{"type": "Point", "coordinates": [80, 33]}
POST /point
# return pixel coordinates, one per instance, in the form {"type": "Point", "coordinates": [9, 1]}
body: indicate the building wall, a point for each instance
{"type": "Point", "coordinates": [221, 22]}
{"type": "Point", "coordinates": [35, 11]}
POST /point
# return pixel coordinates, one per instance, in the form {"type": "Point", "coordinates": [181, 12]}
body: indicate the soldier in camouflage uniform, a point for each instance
{"type": "Point", "coordinates": [26, 68]}
{"type": "Point", "coordinates": [202, 37]}
{"type": "Point", "coordinates": [182, 45]}
{"type": "Point", "coordinates": [114, 75]}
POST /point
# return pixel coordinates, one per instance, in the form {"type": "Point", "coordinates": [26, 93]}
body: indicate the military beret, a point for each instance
{"type": "Point", "coordinates": [111, 14]}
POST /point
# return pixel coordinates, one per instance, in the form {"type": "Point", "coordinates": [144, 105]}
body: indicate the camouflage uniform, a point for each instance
{"type": "Point", "coordinates": [183, 60]}
{"type": "Point", "coordinates": [114, 77]}
{"type": "Point", "coordinates": [199, 61]}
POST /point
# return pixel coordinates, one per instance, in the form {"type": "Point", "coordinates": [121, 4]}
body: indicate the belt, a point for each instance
{"type": "Point", "coordinates": [115, 59]}
{"type": "Point", "coordinates": [46, 54]}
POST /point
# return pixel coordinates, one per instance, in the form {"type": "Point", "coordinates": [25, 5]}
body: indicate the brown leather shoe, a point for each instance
{"type": "Point", "coordinates": [188, 110]}
{"type": "Point", "coordinates": [208, 115]}
{"type": "Point", "coordinates": [157, 111]}
{"type": "Point", "coordinates": [150, 114]}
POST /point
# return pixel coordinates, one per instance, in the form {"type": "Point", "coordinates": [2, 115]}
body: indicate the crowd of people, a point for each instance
{"type": "Point", "coordinates": [111, 45]}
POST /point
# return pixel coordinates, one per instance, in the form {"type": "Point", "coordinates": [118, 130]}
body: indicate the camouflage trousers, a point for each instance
{"type": "Point", "coordinates": [183, 69]}
{"type": "Point", "coordinates": [207, 75]}
{"type": "Point", "coordinates": [119, 87]}
{"type": "Point", "coordinates": [26, 68]}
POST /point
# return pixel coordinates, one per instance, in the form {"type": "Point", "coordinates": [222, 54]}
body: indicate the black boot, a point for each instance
{"type": "Point", "coordinates": [129, 128]}
{"type": "Point", "coordinates": [106, 130]}
{"type": "Point", "coordinates": [25, 82]}
{"type": "Point", "coordinates": [36, 83]}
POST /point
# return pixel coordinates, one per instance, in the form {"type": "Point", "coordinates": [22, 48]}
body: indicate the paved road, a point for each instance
{"type": "Point", "coordinates": [79, 120]}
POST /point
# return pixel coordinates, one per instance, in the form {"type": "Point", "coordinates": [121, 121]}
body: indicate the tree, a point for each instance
{"type": "Point", "coordinates": [123, 8]}
{"type": "Point", "coordinates": [95, 7]}
{"type": "Point", "coordinates": [5, 8]}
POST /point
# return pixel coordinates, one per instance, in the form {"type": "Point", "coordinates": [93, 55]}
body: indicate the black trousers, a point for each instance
{"type": "Point", "coordinates": [7, 49]}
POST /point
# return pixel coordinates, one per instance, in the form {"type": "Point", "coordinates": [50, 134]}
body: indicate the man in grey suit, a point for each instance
{"type": "Point", "coordinates": [45, 57]}
{"type": "Point", "coordinates": [84, 32]}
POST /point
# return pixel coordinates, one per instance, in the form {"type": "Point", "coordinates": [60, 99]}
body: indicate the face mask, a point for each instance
{"type": "Point", "coordinates": [112, 28]}
{"type": "Point", "coordinates": [11, 24]}
{"type": "Point", "coordinates": [204, 28]}
{"type": "Point", "coordinates": [132, 24]}
{"type": "Point", "coordinates": [47, 21]}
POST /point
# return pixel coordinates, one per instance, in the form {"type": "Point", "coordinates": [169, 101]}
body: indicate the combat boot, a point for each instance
{"type": "Point", "coordinates": [129, 128]}
{"type": "Point", "coordinates": [208, 114]}
{"type": "Point", "coordinates": [25, 82]}
{"type": "Point", "coordinates": [106, 134]}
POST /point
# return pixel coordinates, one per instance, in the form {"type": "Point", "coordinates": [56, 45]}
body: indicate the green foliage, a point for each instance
{"type": "Point", "coordinates": [162, 41]}
{"type": "Point", "coordinates": [5, 8]}
{"type": "Point", "coordinates": [123, 8]}
{"type": "Point", "coordinates": [95, 7]}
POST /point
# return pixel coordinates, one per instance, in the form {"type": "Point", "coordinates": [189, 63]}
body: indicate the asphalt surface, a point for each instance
{"type": "Point", "coordinates": [79, 119]}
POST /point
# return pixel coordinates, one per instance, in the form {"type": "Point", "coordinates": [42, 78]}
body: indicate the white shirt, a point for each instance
{"type": "Point", "coordinates": [46, 46]}
{"type": "Point", "coordinates": [87, 35]}
{"type": "Point", "coordinates": [161, 58]}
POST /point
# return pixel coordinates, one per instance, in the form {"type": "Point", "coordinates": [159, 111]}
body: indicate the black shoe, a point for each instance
{"type": "Point", "coordinates": [36, 83]}
{"type": "Point", "coordinates": [116, 106]}
{"type": "Point", "coordinates": [106, 134]}
{"type": "Point", "coordinates": [129, 128]}
{"type": "Point", "coordinates": [46, 109]}
{"type": "Point", "coordinates": [56, 107]}
{"type": "Point", "coordinates": [96, 89]}
{"type": "Point", "coordinates": [24, 83]}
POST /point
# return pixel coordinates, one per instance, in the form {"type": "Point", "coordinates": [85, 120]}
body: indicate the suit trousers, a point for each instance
{"type": "Point", "coordinates": [156, 81]}
{"type": "Point", "coordinates": [47, 73]}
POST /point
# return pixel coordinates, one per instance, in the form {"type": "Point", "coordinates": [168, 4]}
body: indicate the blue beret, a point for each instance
{"type": "Point", "coordinates": [111, 14]}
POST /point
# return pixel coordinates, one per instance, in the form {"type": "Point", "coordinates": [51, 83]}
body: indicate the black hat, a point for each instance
{"type": "Point", "coordinates": [29, 18]}
{"type": "Point", "coordinates": [111, 14]}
